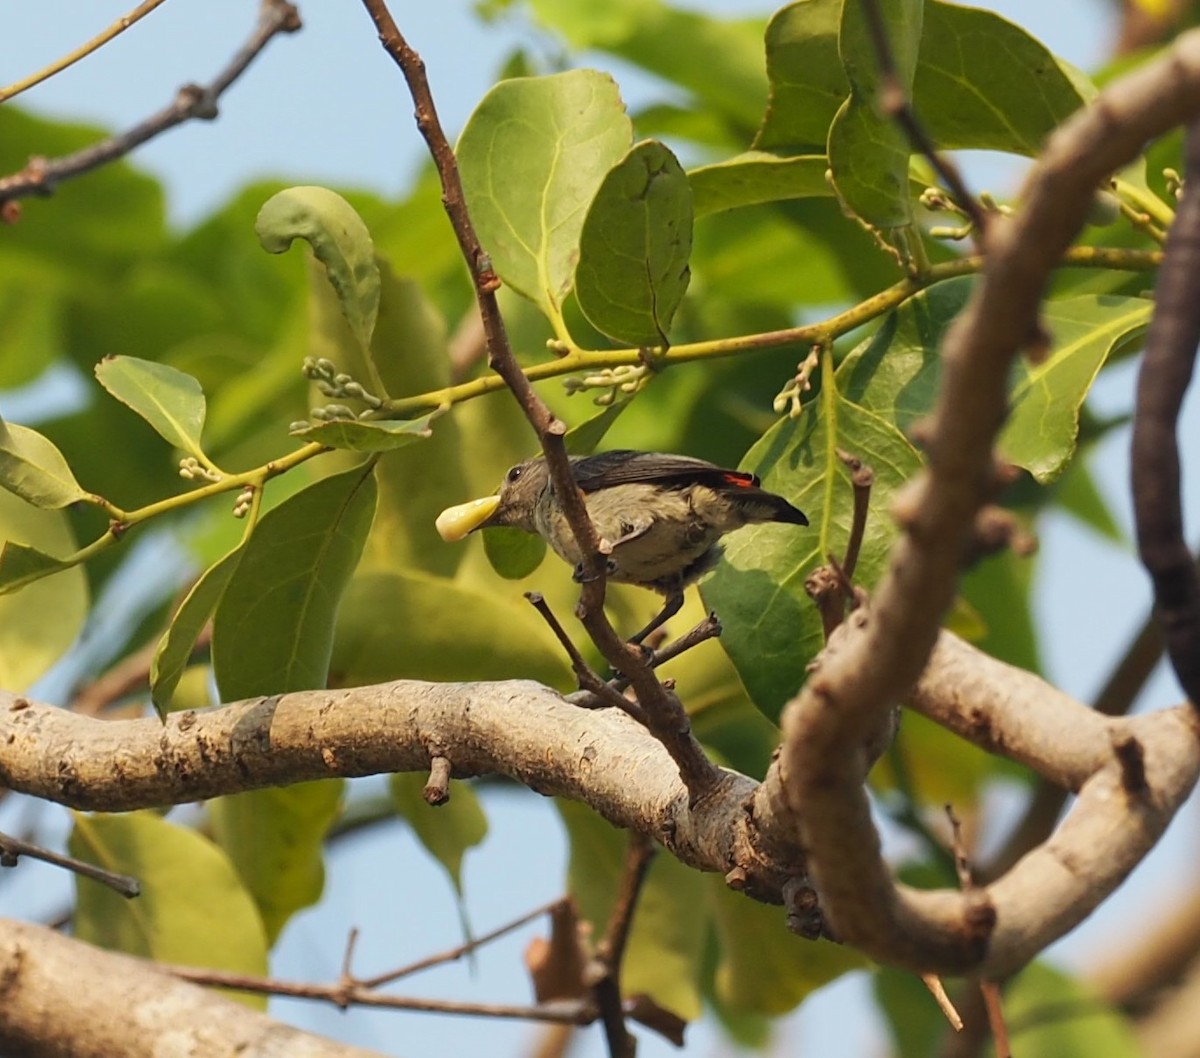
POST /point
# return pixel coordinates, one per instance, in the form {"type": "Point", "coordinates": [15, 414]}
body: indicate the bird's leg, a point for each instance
{"type": "Point", "coordinates": [670, 608]}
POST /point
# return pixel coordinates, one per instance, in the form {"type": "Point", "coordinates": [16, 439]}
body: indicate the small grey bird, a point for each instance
{"type": "Point", "coordinates": [663, 516]}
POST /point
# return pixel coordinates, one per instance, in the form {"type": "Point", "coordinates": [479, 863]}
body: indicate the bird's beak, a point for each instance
{"type": "Point", "coordinates": [454, 523]}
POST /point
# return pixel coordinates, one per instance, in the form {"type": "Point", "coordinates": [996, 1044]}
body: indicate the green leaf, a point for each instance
{"type": "Point", "coordinates": [764, 969]}
{"type": "Point", "coordinates": [772, 628]}
{"type": "Point", "coordinates": [39, 626]}
{"type": "Point", "coordinates": [755, 177]}
{"type": "Point", "coordinates": [808, 83]}
{"type": "Point", "coordinates": [169, 400]}
{"type": "Point", "coordinates": [175, 648]}
{"type": "Point", "coordinates": [868, 150]}
{"type": "Point", "coordinates": [192, 909]}
{"type": "Point", "coordinates": [367, 435]}
{"type": "Point", "coordinates": [532, 156]}
{"type": "Point", "coordinates": [273, 628]}
{"type": "Point", "coordinates": [673, 921]}
{"type": "Point", "coordinates": [634, 247]}
{"type": "Point", "coordinates": [513, 553]}
{"type": "Point", "coordinates": [447, 831]}
{"type": "Point", "coordinates": [396, 626]}
{"type": "Point", "coordinates": [584, 439]}
{"type": "Point", "coordinates": [1044, 419]}
{"type": "Point", "coordinates": [21, 565]}
{"type": "Point", "coordinates": [32, 468]}
{"type": "Point", "coordinates": [339, 240]}
{"type": "Point", "coordinates": [275, 838]}
{"type": "Point", "coordinates": [718, 61]}
{"type": "Point", "coordinates": [1051, 1015]}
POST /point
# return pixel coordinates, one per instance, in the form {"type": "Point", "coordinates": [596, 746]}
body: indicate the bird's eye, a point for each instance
{"type": "Point", "coordinates": [513, 474]}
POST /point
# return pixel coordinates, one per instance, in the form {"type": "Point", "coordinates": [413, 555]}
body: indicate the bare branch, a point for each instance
{"type": "Point", "coordinates": [12, 848]}
{"type": "Point", "coordinates": [1166, 372]}
{"type": "Point", "coordinates": [42, 175]}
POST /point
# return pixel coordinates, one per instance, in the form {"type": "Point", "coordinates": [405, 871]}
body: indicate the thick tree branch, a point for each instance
{"type": "Point", "coordinates": [815, 790]}
{"type": "Point", "coordinates": [61, 996]}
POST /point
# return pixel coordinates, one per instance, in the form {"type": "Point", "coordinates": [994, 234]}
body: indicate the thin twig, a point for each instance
{"type": "Point", "coordinates": [11, 848]}
{"type": "Point", "coordinates": [1166, 371]}
{"type": "Point", "coordinates": [41, 175]}
{"type": "Point", "coordinates": [862, 477]}
{"type": "Point", "coordinates": [458, 952]}
{"type": "Point", "coordinates": [97, 42]}
{"type": "Point", "coordinates": [664, 713]}
{"type": "Point", "coordinates": [894, 101]}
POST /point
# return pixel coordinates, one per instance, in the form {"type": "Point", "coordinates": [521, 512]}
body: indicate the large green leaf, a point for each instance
{"type": "Point", "coordinates": [772, 628]}
{"type": "Point", "coordinates": [170, 401]}
{"type": "Point", "coordinates": [32, 468]}
{"type": "Point", "coordinates": [396, 626]}
{"type": "Point", "coordinates": [39, 625]}
{"type": "Point", "coordinates": [192, 909]}
{"type": "Point", "coordinates": [339, 240]}
{"type": "Point", "coordinates": [448, 831]}
{"type": "Point", "coordinates": [275, 838]}
{"type": "Point", "coordinates": [634, 247]}
{"type": "Point", "coordinates": [273, 627]}
{"type": "Point", "coordinates": [671, 925]}
{"type": "Point", "coordinates": [532, 156]}
{"type": "Point", "coordinates": [868, 150]}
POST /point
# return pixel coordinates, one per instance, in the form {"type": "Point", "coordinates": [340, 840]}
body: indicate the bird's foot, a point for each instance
{"type": "Point", "coordinates": [580, 576]}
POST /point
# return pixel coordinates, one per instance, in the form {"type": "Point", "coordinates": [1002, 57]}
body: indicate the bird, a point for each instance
{"type": "Point", "coordinates": [661, 516]}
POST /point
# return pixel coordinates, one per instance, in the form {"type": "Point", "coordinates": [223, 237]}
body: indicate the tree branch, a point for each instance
{"type": "Point", "coordinates": [61, 996]}
{"type": "Point", "coordinates": [42, 175]}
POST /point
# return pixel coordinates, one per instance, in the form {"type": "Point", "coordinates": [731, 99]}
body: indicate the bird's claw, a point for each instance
{"type": "Point", "coordinates": [580, 576]}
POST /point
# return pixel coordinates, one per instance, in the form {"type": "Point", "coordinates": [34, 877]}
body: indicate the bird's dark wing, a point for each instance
{"type": "Point", "coordinates": [625, 467]}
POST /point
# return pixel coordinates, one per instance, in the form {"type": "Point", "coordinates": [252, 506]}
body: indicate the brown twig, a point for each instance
{"type": "Point", "coordinates": [437, 789]}
{"type": "Point", "coordinates": [894, 101]}
{"type": "Point", "coordinates": [458, 952]}
{"type": "Point", "coordinates": [1166, 371]}
{"type": "Point", "coordinates": [84, 50]}
{"type": "Point", "coordinates": [862, 477]}
{"type": "Point", "coordinates": [12, 848]}
{"type": "Point", "coordinates": [664, 714]}
{"type": "Point", "coordinates": [41, 175]}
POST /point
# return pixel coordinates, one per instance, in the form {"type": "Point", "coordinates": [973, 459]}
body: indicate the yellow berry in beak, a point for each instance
{"type": "Point", "coordinates": [454, 523]}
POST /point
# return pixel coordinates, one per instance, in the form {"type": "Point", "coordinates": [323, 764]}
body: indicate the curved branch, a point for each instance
{"type": "Point", "coordinates": [816, 790]}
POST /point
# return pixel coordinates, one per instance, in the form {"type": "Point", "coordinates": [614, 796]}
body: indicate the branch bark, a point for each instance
{"type": "Point", "coordinates": [63, 997]}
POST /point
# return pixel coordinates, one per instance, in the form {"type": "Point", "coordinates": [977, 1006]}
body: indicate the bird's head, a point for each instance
{"type": "Point", "coordinates": [515, 505]}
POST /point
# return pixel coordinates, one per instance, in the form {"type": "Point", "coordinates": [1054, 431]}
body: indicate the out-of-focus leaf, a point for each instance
{"type": "Point", "coordinates": [448, 831]}
{"type": "Point", "coordinates": [273, 627]}
{"type": "Point", "coordinates": [513, 553]}
{"type": "Point", "coordinates": [673, 920]}
{"type": "Point", "coordinates": [762, 968]}
{"type": "Point", "coordinates": [339, 240]}
{"type": "Point", "coordinates": [396, 626]}
{"type": "Point", "coordinates": [1051, 1015]}
{"type": "Point", "coordinates": [532, 156]}
{"type": "Point", "coordinates": [275, 838]}
{"type": "Point", "coordinates": [634, 248]}
{"type": "Point", "coordinates": [170, 401]}
{"type": "Point", "coordinates": [192, 909]}
{"type": "Point", "coordinates": [367, 435]}
{"type": "Point", "coordinates": [32, 468]}
{"type": "Point", "coordinates": [38, 625]}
